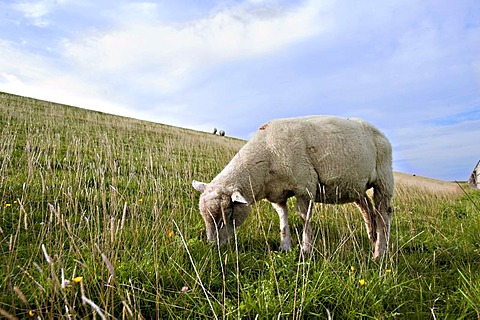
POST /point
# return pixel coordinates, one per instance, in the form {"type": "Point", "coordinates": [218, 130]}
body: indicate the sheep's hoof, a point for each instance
{"type": "Point", "coordinates": [307, 249]}
{"type": "Point", "coordinates": [285, 246]}
{"type": "Point", "coordinates": [378, 253]}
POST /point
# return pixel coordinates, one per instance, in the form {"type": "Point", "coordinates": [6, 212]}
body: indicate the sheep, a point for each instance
{"type": "Point", "coordinates": [322, 159]}
{"type": "Point", "coordinates": [221, 133]}
{"type": "Point", "coordinates": [214, 131]}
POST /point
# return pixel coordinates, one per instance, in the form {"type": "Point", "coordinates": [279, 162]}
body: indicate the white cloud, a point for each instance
{"type": "Point", "coordinates": [37, 77]}
{"type": "Point", "coordinates": [174, 51]}
{"type": "Point", "coordinates": [36, 11]}
{"type": "Point", "coordinates": [28, 66]}
{"type": "Point", "coordinates": [33, 9]}
{"type": "Point", "coordinates": [11, 79]}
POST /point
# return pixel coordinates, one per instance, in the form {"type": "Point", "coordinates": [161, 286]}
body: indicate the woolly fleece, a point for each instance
{"type": "Point", "coordinates": [321, 158]}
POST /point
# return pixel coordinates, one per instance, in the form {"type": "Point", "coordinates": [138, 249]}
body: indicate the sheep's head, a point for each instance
{"type": "Point", "coordinates": [222, 210]}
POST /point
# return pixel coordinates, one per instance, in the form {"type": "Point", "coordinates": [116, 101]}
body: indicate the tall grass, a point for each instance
{"type": "Point", "coordinates": [98, 219]}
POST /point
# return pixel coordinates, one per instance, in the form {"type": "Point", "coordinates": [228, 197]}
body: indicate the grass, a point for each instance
{"type": "Point", "coordinates": [98, 219]}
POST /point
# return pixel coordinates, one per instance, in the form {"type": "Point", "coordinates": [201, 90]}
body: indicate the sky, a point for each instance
{"type": "Point", "coordinates": [410, 67]}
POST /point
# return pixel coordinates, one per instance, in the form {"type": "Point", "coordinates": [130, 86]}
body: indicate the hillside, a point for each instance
{"type": "Point", "coordinates": [98, 219]}
{"type": "Point", "coordinates": [428, 185]}
{"type": "Point", "coordinates": [72, 121]}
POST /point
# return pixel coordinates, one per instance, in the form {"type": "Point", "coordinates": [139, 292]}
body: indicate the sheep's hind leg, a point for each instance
{"type": "Point", "coordinates": [383, 211]}
{"type": "Point", "coordinates": [366, 206]}
{"type": "Point", "coordinates": [285, 236]}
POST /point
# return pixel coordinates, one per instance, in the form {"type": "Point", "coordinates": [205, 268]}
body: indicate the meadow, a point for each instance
{"type": "Point", "coordinates": [98, 219]}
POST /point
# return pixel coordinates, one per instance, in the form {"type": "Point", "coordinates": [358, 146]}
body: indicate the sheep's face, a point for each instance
{"type": "Point", "coordinates": [222, 210]}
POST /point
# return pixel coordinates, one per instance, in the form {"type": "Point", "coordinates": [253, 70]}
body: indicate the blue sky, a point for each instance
{"type": "Point", "coordinates": [412, 68]}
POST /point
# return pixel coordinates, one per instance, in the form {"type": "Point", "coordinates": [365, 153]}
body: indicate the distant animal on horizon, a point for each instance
{"type": "Point", "coordinates": [322, 159]}
{"type": "Point", "coordinates": [214, 131]}
{"type": "Point", "coordinates": [221, 133]}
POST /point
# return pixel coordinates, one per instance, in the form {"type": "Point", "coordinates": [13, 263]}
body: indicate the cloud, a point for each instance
{"type": "Point", "coordinates": [36, 11]}
{"type": "Point", "coordinates": [38, 77]}
{"type": "Point", "coordinates": [175, 51]}
{"type": "Point", "coordinates": [30, 67]}
{"type": "Point", "coordinates": [33, 9]}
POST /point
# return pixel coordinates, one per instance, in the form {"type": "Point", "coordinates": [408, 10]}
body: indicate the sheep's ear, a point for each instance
{"type": "Point", "coordinates": [237, 197]}
{"type": "Point", "coordinates": [199, 186]}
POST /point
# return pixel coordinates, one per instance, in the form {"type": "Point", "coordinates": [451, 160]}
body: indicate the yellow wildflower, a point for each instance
{"type": "Point", "coordinates": [170, 233]}
{"type": "Point", "coordinates": [77, 279]}
{"type": "Point", "coordinates": [31, 313]}
{"type": "Point", "coordinates": [388, 271]}
{"type": "Point", "coordinates": [352, 269]}
{"type": "Point", "coordinates": [7, 205]}
{"type": "Point", "coordinates": [361, 282]}
{"type": "Point", "coordinates": [140, 200]}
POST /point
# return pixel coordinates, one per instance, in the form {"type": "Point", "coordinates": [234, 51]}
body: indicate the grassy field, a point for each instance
{"type": "Point", "coordinates": [98, 219]}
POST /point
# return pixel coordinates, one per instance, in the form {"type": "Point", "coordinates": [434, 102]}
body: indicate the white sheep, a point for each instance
{"type": "Point", "coordinates": [214, 130]}
{"type": "Point", "coordinates": [221, 133]}
{"type": "Point", "coordinates": [318, 158]}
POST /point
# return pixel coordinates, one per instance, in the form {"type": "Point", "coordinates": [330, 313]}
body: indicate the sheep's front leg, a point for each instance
{"type": "Point", "coordinates": [285, 236]}
{"type": "Point", "coordinates": [304, 209]}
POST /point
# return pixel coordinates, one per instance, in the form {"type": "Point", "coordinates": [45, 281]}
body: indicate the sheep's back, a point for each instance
{"type": "Point", "coordinates": [340, 153]}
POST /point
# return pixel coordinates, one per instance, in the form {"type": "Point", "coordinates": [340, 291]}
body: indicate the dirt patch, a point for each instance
{"type": "Point", "coordinates": [263, 127]}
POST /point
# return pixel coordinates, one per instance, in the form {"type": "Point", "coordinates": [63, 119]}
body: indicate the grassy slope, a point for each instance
{"type": "Point", "coordinates": [109, 199]}
{"type": "Point", "coordinates": [427, 185]}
